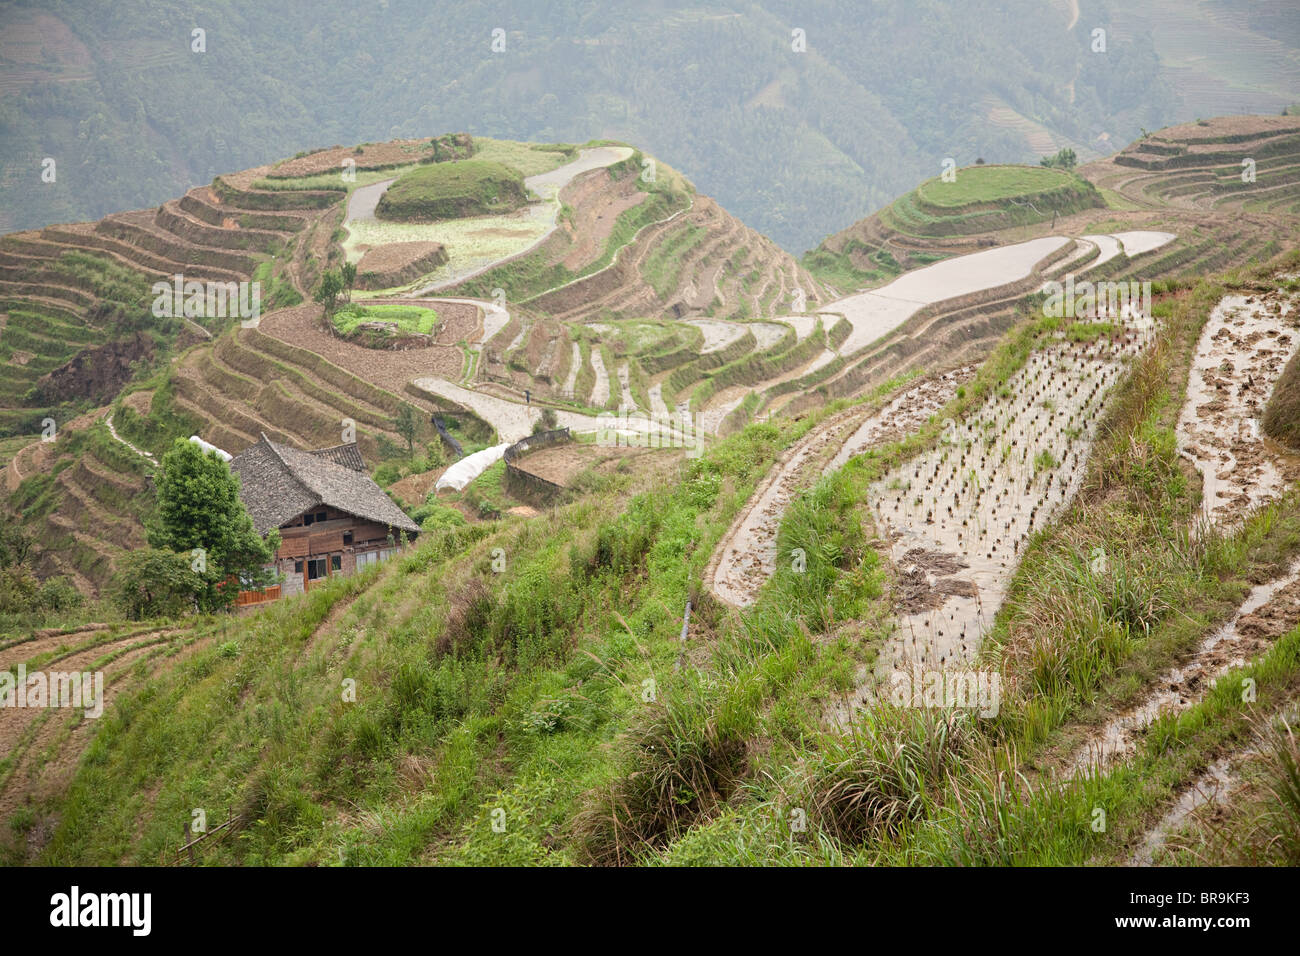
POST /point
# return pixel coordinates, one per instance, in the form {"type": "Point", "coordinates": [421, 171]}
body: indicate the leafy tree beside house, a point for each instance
{"type": "Point", "coordinates": [201, 518]}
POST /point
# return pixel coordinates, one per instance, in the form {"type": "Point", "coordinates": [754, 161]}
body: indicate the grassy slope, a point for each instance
{"type": "Point", "coordinates": [984, 184]}
{"type": "Point", "coordinates": [468, 187]}
{"type": "Point", "coordinates": [548, 691]}
{"type": "Point", "coordinates": [979, 198]}
{"type": "Point", "coordinates": [1282, 417]}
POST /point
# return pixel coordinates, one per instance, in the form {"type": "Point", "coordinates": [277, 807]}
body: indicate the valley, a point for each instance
{"type": "Point", "coordinates": [611, 407]}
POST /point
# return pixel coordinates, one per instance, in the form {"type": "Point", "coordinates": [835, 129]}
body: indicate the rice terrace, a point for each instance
{"type": "Point", "coordinates": [493, 487]}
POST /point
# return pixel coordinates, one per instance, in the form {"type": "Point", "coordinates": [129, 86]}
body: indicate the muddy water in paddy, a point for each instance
{"type": "Point", "coordinates": [903, 415]}
{"type": "Point", "coordinates": [625, 387]}
{"type": "Point", "coordinates": [599, 391]}
{"type": "Point", "coordinates": [767, 334]}
{"type": "Point", "coordinates": [571, 380]}
{"type": "Point", "coordinates": [1269, 611]}
{"type": "Point", "coordinates": [748, 553]}
{"type": "Point", "coordinates": [717, 335]}
{"type": "Point", "coordinates": [1218, 785]}
{"type": "Point", "coordinates": [657, 404]}
{"type": "Point", "coordinates": [722, 406]}
{"type": "Point", "coordinates": [1241, 353]}
{"type": "Point", "coordinates": [878, 312]}
{"type": "Point", "coordinates": [1213, 786]}
{"type": "Point", "coordinates": [958, 516]}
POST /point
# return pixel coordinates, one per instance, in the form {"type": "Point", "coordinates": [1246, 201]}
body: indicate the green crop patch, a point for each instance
{"type": "Point", "coordinates": [403, 318]}
{"type": "Point", "coordinates": [984, 184]}
{"type": "Point", "coordinates": [471, 187]}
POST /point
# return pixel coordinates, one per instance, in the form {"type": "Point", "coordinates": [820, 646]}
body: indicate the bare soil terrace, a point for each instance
{"type": "Point", "coordinates": [300, 326]}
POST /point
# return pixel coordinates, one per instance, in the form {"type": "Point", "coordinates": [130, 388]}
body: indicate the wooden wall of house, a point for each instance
{"type": "Point", "coordinates": [321, 538]}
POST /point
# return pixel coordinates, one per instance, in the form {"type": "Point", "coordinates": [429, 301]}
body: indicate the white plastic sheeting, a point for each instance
{"type": "Point", "coordinates": [470, 467]}
{"type": "Point", "coordinates": [208, 446]}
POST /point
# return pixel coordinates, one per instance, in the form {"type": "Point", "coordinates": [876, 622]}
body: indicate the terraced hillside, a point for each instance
{"type": "Point", "coordinates": [937, 472]}
{"type": "Point", "coordinates": [1185, 179]}
{"type": "Point", "coordinates": [42, 747]}
{"type": "Point", "coordinates": [630, 248]}
{"type": "Point", "coordinates": [1247, 164]}
{"type": "Point", "coordinates": [618, 287]}
{"type": "Point", "coordinates": [607, 232]}
{"type": "Point", "coordinates": [948, 214]}
{"type": "Point", "coordinates": [495, 691]}
{"type": "Point", "coordinates": [1164, 208]}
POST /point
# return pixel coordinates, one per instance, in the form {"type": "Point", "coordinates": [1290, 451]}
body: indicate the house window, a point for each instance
{"type": "Point", "coordinates": [308, 519]}
{"type": "Point", "coordinates": [297, 566]}
{"type": "Point", "coordinates": [316, 569]}
{"type": "Point", "coordinates": [336, 562]}
{"type": "Point", "coordinates": [347, 537]}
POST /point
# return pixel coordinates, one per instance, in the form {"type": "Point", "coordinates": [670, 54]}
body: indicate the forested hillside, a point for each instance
{"type": "Point", "coordinates": [132, 114]}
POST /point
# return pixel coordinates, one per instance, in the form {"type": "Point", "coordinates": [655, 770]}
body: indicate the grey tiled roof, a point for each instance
{"type": "Point", "coordinates": [278, 483]}
{"type": "Point", "coordinates": [349, 456]}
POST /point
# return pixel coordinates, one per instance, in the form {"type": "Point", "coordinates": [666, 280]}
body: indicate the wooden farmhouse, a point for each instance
{"type": "Point", "coordinates": [333, 518]}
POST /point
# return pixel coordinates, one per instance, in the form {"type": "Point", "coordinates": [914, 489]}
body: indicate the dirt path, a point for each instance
{"type": "Point", "coordinates": [143, 454]}
{"type": "Point", "coordinates": [1242, 351]}
{"type": "Point", "coordinates": [33, 458]}
{"type": "Point", "coordinates": [364, 200]}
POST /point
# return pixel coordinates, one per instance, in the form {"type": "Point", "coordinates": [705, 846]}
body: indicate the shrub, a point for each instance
{"type": "Point", "coordinates": [155, 583]}
{"type": "Point", "coordinates": [678, 767]}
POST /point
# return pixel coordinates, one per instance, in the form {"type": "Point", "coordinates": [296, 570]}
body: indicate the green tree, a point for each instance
{"type": "Point", "coordinates": [1065, 159]}
{"type": "Point", "coordinates": [21, 592]}
{"type": "Point", "coordinates": [200, 515]}
{"type": "Point", "coordinates": [407, 424]}
{"type": "Point", "coordinates": [327, 293]}
{"type": "Point", "coordinates": [156, 583]}
{"type": "Point", "coordinates": [15, 546]}
{"type": "Point", "coordinates": [348, 276]}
